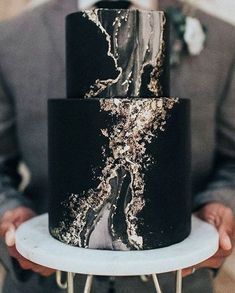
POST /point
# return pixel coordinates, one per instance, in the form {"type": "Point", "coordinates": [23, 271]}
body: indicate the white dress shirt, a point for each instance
{"type": "Point", "coordinates": [144, 4]}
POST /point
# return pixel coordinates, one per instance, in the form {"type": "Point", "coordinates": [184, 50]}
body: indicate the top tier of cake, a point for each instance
{"type": "Point", "coordinates": [117, 53]}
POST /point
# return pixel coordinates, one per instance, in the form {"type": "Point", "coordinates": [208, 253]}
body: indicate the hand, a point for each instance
{"type": "Point", "coordinates": [8, 225]}
{"type": "Point", "coordinates": [222, 218]}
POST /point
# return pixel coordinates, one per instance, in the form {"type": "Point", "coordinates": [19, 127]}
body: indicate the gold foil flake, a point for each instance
{"type": "Point", "coordinates": [140, 117]}
{"type": "Point", "coordinates": [101, 85]}
{"type": "Point", "coordinates": [130, 67]}
{"type": "Point", "coordinates": [138, 120]}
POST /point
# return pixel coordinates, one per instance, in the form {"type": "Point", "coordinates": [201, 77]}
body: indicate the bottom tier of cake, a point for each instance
{"type": "Point", "coordinates": [119, 172]}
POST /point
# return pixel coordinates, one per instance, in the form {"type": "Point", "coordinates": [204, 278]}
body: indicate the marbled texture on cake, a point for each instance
{"type": "Point", "coordinates": [91, 223]}
{"type": "Point", "coordinates": [145, 50]}
{"type": "Point", "coordinates": [125, 57]}
{"type": "Point", "coordinates": [119, 145]}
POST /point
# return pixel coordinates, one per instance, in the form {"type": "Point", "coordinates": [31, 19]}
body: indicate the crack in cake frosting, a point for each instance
{"type": "Point", "coordinates": [138, 121]}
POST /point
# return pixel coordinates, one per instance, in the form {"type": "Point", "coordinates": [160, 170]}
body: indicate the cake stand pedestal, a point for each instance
{"type": "Point", "coordinates": [34, 242]}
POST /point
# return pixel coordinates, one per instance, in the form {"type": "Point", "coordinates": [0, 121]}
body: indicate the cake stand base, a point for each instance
{"type": "Point", "coordinates": [34, 242]}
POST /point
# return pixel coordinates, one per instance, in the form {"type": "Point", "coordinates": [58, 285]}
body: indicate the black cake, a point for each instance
{"type": "Point", "coordinates": [119, 145]}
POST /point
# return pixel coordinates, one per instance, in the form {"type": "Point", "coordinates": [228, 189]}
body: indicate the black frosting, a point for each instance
{"type": "Point", "coordinates": [75, 156]}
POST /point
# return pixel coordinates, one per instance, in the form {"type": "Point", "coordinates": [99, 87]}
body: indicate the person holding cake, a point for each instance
{"type": "Point", "coordinates": [26, 84]}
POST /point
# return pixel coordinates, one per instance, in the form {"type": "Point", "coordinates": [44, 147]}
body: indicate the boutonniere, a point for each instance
{"type": "Point", "coordinates": [190, 35]}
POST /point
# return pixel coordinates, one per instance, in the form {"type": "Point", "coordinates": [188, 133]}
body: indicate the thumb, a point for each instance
{"type": "Point", "coordinates": [10, 236]}
{"type": "Point", "coordinates": [224, 240]}
{"type": "Point", "coordinates": [225, 231]}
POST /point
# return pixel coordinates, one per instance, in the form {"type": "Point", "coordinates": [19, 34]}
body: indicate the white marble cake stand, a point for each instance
{"type": "Point", "coordinates": [34, 242]}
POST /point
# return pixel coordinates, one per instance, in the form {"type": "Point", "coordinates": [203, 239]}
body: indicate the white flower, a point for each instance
{"type": "Point", "coordinates": [194, 36]}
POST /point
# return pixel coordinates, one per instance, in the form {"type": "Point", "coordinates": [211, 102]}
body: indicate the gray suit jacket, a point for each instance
{"type": "Point", "coordinates": [32, 69]}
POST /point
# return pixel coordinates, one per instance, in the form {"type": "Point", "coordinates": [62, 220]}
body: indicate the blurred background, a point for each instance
{"type": "Point", "coordinates": [225, 10]}
{"type": "Point", "coordinates": [10, 8]}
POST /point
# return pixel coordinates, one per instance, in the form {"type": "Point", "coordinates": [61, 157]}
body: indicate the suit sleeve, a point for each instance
{"type": "Point", "coordinates": [10, 196]}
{"type": "Point", "coordinates": [221, 188]}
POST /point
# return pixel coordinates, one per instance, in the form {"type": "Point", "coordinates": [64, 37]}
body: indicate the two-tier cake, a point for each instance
{"type": "Point", "coordinates": [119, 145]}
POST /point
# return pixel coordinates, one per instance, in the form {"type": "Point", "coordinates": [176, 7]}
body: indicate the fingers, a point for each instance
{"type": "Point", "coordinates": [23, 214]}
{"type": "Point", "coordinates": [10, 235]}
{"type": "Point", "coordinates": [14, 218]}
{"type": "Point", "coordinates": [28, 265]}
{"type": "Point", "coordinates": [6, 222]}
{"type": "Point", "coordinates": [7, 230]}
{"type": "Point", "coordinates": [14, 253]}
{"type": "Point", "coordinates": [225, 242]}
{"type": "Point", "coordinates": [17, 216]}
{"type": "Point", "coordinates": [214, 262]}
{"type": "Point", "coordinates": [46, 272]}
{"type": "Point", "coordinates": [4, 226]}
{"type": "Point", "coordinates": [225, 230]}
{"type": "Point", "coordinates": [187, 272]}
{"type": "Point", "coordinates": [9, 222]}
{"type": "Point", "coordinates": [223, 253]}
{"type": "Point", "coordinates": [223, 219]}
{"type": "Point", "coordinates": [8, 215]}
